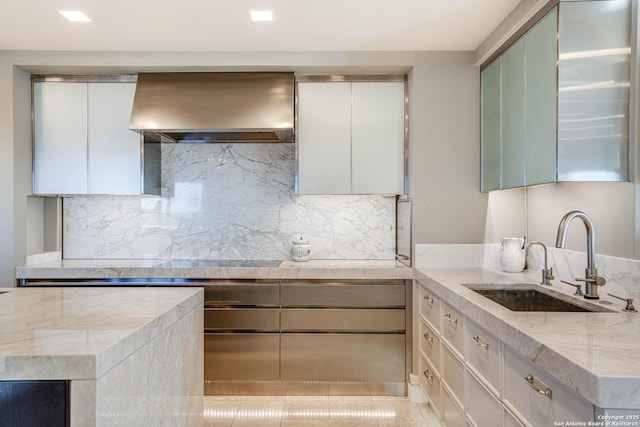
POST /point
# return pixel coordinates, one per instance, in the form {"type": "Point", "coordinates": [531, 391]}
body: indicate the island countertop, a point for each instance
{"type": "Point", "coordinates": [83, 332]}
{"type": "Point", "coordinates": [152, 269]}
{"type": "Point", "coordinates": [595, 354]}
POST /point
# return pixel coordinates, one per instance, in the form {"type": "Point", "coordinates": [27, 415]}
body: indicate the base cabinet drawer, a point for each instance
{"type": "Point", "coordinates": [343, 357]}
{"type": "Point", "coordinates": [430, 383]}
{"type": "Point", "coordinates": [510, 420]}
{"type": "Point", "coordinates": [452, 328]}
{"type": "Point", "coordinates": [452, 415]}
{"type": "Point", "coordinates": [482, 354]}
{"type": "Point", "coordinates": [482, 408]}
{"type": "Point", "coordinates": [430, 346]}
{"type": "Point", "coordinates": [429, 307]}
{"type": "Point", "coordinates": [537, 397]}
{"type": "Point", "coordinates": [453, 373]}
{"type": "Point", "coordinates": [241, 357]}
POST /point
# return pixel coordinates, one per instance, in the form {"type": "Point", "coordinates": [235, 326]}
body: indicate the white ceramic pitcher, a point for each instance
{"type": "Point", "coordinates": [512, 254]}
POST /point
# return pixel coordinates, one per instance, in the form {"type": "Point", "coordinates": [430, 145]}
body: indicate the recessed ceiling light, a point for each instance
{"type": "Point", "coordinates": [261, 15]}
{"type": "Point", "coordinates": [74, 15]}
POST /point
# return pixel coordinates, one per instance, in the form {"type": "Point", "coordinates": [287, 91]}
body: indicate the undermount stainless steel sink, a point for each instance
{"type": "Point", "coordinates": [526, 298]}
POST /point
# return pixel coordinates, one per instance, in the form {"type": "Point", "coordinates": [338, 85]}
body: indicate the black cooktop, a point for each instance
{"type": "Point", "coordinates": [201, 263]}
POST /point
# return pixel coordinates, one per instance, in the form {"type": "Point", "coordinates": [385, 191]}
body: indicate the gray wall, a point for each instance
{"type": "Point", "coordinates": [444, 129]}
{"type": "Point", "coordinates": [445, 149]}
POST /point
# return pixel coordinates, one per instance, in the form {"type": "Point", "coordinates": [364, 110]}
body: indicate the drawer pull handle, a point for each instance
{"type": "Point", "coordinates": [450, 318]}
{"type": "Point", "coordinates": [545, 391]}
{"type": "Point", "coordinates": [428, 376]}
{"type": "Point", "coordinates": [428, 338]}
{"type": "Point", "coordinates": [428, 300]}
{"type": "Point", "coordinates": [479, 343]}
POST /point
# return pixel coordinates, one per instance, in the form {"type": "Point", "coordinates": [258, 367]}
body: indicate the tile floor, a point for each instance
{"type": "Point", "coordinates": [316, 411]}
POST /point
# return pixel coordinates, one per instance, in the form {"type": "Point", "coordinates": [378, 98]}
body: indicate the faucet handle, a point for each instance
{"type": "Point", "coordinates": [629, 302]}
{"type": "Point", "coordinates": [578, 291]}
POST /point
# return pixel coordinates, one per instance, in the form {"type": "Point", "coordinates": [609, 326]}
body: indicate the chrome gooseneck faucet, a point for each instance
{"type": "Point", "coordinates": [591, 279]}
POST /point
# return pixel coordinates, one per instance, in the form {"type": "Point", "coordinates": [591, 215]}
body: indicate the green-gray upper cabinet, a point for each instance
{"type": "Point", "coordinates": [562, 93]}
{"type": "Point", "coordinates": [513, 115]}
{"type": "Point", "coordinates": [520, 85]}
{"type": "Point", "coordinates": [490, 123]}
{"type": "Point", "coordinates": [540, 101]}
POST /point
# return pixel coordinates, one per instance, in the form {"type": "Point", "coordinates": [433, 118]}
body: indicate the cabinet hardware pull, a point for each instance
{"type": "Point", "coordinates": [450, 318]}
{"type": "Point", "coordinates": [545, 392]}
{"type": "Point", "coordinates": [479, 343]}
{"type": "Point", "coordinates": [428, 300]}
{"type": "Point", "coordinates": [428, 376]}
{"type": "Point", "coordinates": [428, 338]}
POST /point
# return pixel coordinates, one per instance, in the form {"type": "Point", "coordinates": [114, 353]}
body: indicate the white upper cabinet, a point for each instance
{"type": "Point", "coordinates": [324, 141]}
{"type": "Point", "coordinates": [82, 141]}
{"type": "Point", "coordinates": [351, 137]}
{"type": "Point", "coordinates": [114, 150]}
{"type": "Point", "coordinates": [60, 152]}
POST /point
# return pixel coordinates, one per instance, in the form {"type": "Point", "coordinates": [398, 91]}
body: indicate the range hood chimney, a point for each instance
{"type": "Point", "coordinates": [214, 107]}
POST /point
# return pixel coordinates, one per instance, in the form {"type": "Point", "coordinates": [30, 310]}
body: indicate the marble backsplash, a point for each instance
{"type": "Point", "coordinates": [622, 274]}
{"type": "Point", "coordinates": [234, 201]}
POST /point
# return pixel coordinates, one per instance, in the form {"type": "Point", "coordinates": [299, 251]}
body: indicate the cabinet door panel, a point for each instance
{"type": "Point", "coordinates": [490, 111]}
{"type": "Point", "coordinates": [324, 138]}
{"type": "Point", "coordinates": [377, 138]}
{"type": "Point", "coordinates": [343, 357]}
{"type": "Point", "coordinates": [593, 128]}
{"type": "Point", "coordinates": [60, 154]}
{"type": "Point", "coordinates": [540, 100]}
{"type": "Point", "coordinates": [513, 115]}
{"type": "Point", "coordinates": [241, 357]}
{"type": "Point", "coordinates": [561, 403]}
{"type": "Point", "coordinates": [114, 150]}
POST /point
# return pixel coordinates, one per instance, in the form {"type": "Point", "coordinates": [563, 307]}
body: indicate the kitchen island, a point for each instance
{"type": "Point", "coordinates": [129, 356]}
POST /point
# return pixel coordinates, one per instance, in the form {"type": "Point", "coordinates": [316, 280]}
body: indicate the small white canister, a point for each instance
{"type": "Point", "coordinates": [300, 250]}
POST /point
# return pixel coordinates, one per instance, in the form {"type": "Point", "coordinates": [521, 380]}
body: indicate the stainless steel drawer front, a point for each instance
{"type": "Point", "coordinates": [241, 357]}
{"type": "Point", "coordinates": [247, 294]}
{"type": "Point", "coordinates": [359, 295]}
{"type": "Point", "coordinates": [242, 319]}
{"type": "Point", "coordinates": [343, 357]}
{"type": "Point", "coordinates": [347, 320]}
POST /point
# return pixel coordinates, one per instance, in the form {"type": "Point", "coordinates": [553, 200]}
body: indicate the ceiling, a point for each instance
{"type": "Point", "coordinates": [225, 25]}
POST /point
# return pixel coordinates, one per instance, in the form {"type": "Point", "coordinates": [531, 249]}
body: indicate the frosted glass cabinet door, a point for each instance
{"type": "Point", "coordinates": [114, 150]}
{"type": "Point", "coordinates": [60, 152]}
{"type": "Point", "coordinates": [513, 115]}
{"type": "Point", "coordinates": [324, 138]}
{"type": "Point", "coordinates": [540, 101]}
{"type": "Point", "coordinates": [490, 132]}
{"type": "Point", "coordinates": [377, 146]}
{"type": "Point", "coordinates": [594, 80]}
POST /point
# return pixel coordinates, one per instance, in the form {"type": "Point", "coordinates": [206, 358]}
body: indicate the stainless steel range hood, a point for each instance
{"type": "Point", "coordinates": [214, 107]}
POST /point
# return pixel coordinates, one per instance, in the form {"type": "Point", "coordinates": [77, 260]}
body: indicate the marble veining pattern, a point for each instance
{"type": "Point", "coordinates": [234, 201]}
{"type": "Point", "coordinates": [622, 274]}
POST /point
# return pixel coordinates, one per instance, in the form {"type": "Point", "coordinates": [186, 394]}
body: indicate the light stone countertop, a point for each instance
{"type": "Point", "coordinates": [314, 269]}
{"type": "Point", "coordinates": [83, 332]}
{"type": "Point", "coordinates": [595, 354]}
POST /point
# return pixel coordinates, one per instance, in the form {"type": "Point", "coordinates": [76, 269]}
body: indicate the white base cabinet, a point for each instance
{"type": "Point", "coordinates": [474, 379]}
{"type": "Point", "coordinates": [537, 397]}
